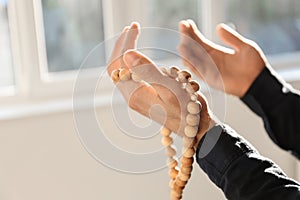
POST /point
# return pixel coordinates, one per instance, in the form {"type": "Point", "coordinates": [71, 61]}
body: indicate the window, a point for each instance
{"type": "Point", "coordinates": [166, 15]}
{"type": "Point", "coordinates": [6, 65]}
{"type": "Point", "coordinates": [158, 18]}
{"type": "Point", "coordinates": [273, 24]}
{"type": "Point", "coordinates": [44, 42]}
{"type": "Point", "coordinates": [72, 29]}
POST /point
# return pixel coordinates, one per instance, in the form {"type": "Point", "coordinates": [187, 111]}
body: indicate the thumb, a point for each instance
{"type": "Point", "coordinates": [230, 36]}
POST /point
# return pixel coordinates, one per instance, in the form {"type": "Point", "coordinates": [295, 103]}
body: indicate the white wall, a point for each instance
{"type": "Point", "coordinates": [41, 157]}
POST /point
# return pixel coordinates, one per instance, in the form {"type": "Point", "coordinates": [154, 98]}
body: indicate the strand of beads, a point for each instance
{"type": "Point", "coordinates": [179, 176]}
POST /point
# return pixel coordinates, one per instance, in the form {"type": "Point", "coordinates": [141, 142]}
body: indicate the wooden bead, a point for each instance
{"type": "Point", "coordinates": [194, 97]}
{"type": "Point", "coordinates": [184, 177]}
{"type": "Point", "coordinates": [173, 72]}
{"type": "Point", "coordinates": [115, 75]}
{"type": "Point", "coordinates": [188, 142]}
{"type": "Point", "coordinates": [172, 163]}
{"type": "Point", "coordinates": [173, 172]}
{"type": "Point", "coordinates": [177, 187]}
{"type": "Point", "coordinates": [180, 182]}
{"type": "Point", "coordinates": [171, 183]}
{"type": "Point", "coordinates": [175, 195]}
{"type": "Point", "coordinates": [188, 152]}
{"type": "Point", "coordinates": [124, 74]}
{"type": "Point", "coordinates": [184, 76]}
{"type": "Point", "coordinates": [192, 120]}
{"type": "Point", "coordinates": [164, 70]}
{"type": "Point", "coordinates": [166, 141]}
{"type": "Point", "coordinates": [192, 87]}
{"type": "Point", "coordinates": [135, 78]}
{"type": "Point", "coordinates": [187, 170]}
{"type": "Point", "coordinates": [186, 162]}
{"type": "Point", "coordinates": [189, 88]}
{"type": "Point", "coordinates": [190, 131]}
{"type": "Point", "coordinates": [165, 131]}
{"type": "Point", "coordinates": [193, 107]}
{"type": "Point", "coordinates": [175, 198]}
{"type": "Point", "coordinates": [170, 151]}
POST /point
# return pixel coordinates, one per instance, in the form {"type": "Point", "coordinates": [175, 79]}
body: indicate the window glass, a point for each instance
{"type": "Point", "coordinates": [72, 29]}
{"type": "Point", "coordinates": [273, 24]}
{"type": "Point", "coordinates": [164, 15]}
{"type": "Point", "coordinates": [167, 14]}
{"type": "Point", "coordinates": [6, 66]}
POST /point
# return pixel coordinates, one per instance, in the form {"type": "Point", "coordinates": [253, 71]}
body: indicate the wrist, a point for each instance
{"type": "Point", "coordinates": [211, 124]}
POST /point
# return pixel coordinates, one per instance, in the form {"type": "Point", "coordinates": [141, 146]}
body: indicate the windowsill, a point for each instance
{"type": "Point", "coordinates": [7, 91]}
{"type": "Point", "coordinates": [50, 107]}
{"type": "Point", "coordinates": [44, 107]}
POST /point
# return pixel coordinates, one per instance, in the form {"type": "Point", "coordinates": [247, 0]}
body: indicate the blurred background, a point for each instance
{"type": "Point", "coordinates": [42, 46]}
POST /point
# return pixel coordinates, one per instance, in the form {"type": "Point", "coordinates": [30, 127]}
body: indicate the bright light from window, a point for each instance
{"type": "Point", "coordinates": [72, 29]}
{"type": "Point", "coordinates": [273, 24]}
{"type": "Point", "coordinates": [6, 66]}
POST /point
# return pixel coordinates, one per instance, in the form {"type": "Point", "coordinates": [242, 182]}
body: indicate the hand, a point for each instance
{"type": "Point", "coordinates": [236, 69]}
{"type": "Point", "coordinates": [158, 96]}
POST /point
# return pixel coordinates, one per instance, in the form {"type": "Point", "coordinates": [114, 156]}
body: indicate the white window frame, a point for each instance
{"type": "Point", "coordinates": [298, 170]}
{"type": "Point", "coordinates": [32, 82]}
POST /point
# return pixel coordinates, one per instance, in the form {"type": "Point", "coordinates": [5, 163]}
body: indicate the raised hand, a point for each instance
{"type": "Point", "coordinates": [232, 70]}
{"type": "Point", "coordinates": [155, 94]}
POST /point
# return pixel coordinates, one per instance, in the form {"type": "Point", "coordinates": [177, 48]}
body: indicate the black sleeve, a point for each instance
{"type": "Point", "coordinates": [278, 104]}
{"type": "Point", "coordinates": [240, 171]}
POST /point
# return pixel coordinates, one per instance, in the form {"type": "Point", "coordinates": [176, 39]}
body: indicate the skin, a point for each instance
{"type": "Point", "coordinates": [231, 70]}
{"type": "Point", "coordinates": [158, 97]}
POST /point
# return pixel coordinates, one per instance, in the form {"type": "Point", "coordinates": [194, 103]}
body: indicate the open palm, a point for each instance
{"type": "Point", "coordinates": [157, 96]}
{"type": "Point", "coordinates": [231, 70]}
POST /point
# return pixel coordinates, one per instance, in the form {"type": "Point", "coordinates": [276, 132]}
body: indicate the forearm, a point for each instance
{"type": "Point", "coordinates": [278, 104]}
{"type": "Point", "coordinates": [238, 169]}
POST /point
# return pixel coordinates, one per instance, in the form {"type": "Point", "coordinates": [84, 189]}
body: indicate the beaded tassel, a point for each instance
{"type": "Point", "coordinates": [179, 176]}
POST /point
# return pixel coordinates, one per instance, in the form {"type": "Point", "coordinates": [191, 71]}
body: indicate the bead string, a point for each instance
{"type": "Point", "coordinates": [179, 176]}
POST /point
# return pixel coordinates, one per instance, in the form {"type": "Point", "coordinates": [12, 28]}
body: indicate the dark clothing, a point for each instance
{"type": "Point", "coordinates": [235, 166]}
{"type": "Point", "coordinates": [278, 104]}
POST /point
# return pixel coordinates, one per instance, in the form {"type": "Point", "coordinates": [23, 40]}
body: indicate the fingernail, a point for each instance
{"type": "Point", "coordinates": [125, 28]}
{"type": "Point", "coordinates": [185, 23]}
{"type": "Point", "coordinates": [191, 22]}
{"type": "Point", "coordinates": [135, 25]}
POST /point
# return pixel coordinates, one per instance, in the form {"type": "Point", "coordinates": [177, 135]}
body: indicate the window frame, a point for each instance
{"type": "Point", "coordinates": [33, 83]}
{"type": "Point", "coordinates": [10, 90]}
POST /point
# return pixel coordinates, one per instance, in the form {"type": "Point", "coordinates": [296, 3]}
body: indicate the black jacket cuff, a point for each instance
{"type": "Point", "coordinates": [220, 147]}
{"type": "Point", "coordinates": [266, 92]}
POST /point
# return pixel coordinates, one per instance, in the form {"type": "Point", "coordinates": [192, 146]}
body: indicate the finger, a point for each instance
{"type": "Point", "coordinates": [184, 27]}
{"type": "Point", "coordinates": [230, 36]}
{"type": "Point", "coordinates": [146, 70]}
{"type": "Point", "coordinates": [131, 37]}
{"type": "Point", "coordinates": [142, 66]}
{"type": "Point", "coordinates": [117, 51]}
{"type": "Point", "coordinates": [191, 36]}
{"type": "Point", "coordinates": [199, 37]}
{"type": "Point", "coordinates": [187, 37]}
